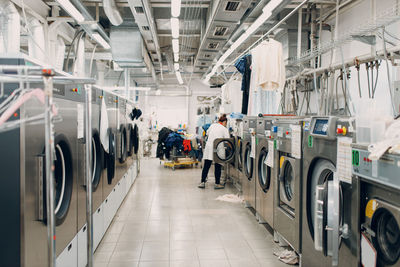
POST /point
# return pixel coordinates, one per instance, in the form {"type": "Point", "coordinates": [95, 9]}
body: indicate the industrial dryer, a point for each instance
{"type": "Point", "coordinates": [264, 174]}
{"type": "Point", "coordinates": [287, 211]}
{"type": "Point", "coordinates": [248, 182]}
{"type": "Point", "coordinates": [97, 162]}
{"type": "Point", "coordinates": [24, 229]}
{"type": "Point", "coordinates": [328, 183]}
{"type": "Point", "coordinates": [380, 207]}
{"type": "Point", "coordinates": [122, 139]}
{"type": "Point", "coordinates": [224, 150]}
{"type": "Point", "coordinates": [110, 157]}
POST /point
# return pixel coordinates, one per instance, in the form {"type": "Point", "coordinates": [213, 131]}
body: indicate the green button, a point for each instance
{"type": "Point", "coordinates": [310, 141]}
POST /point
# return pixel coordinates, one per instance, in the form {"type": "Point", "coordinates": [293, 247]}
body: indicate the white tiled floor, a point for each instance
{"type": "Point", "coordinates": [167, 221]}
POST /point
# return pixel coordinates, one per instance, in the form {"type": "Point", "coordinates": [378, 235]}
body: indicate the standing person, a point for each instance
{"type": "Point", "coordinates": [216, 130]}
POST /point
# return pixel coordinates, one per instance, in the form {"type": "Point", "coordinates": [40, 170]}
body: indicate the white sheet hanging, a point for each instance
{"type": "Point", "coordinates": [269, 66]}
{"type": "Point", "coordinates": [104, 126]}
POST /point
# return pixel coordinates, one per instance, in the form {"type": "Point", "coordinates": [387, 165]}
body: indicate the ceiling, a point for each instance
{"type": "Point", "coordinates": [207, 29]}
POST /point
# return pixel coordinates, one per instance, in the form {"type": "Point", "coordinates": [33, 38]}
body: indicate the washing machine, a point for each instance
{"type": "Point", "coordinates": [97, 162]}
{"type": "Point", "coordinates": [380, 207]}
{"type": "Point", "coordinates": [248, 181]}
{"type": "Point", "coordinates": [287, 209]}
{"type": "Point", "coordinates": [122, 140]}
{"type": "Point", "coordinates": [23, 190]}
{"type": "Point", "coordinates": [330, 195]}
{"type": "Point", "coordinates": [110, 158]}
{"type": "Point", "coordinates": [264, 173]}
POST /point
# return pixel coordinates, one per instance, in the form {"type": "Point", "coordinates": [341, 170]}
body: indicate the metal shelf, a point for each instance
{"type": "Point", "coordinates": [383, 19]}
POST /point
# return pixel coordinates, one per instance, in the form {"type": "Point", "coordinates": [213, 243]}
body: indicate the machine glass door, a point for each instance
{"type": "Point", "coordinates": [240, 154]}
{"type": "Point", "coordinates": [248, 162]}
{"type": "Point", "coordinates": [63, 180]}
{"type": "Point", "coordinates": [224, 150]}
{"type": "Point", "coordinates": [385, 224]}
{"type": "Point", "coordinates": [287, 181]}
{"type": "Point", "coordinates": [264, 177]}
{"type": "Point", "coordinates": [97, 160]}
{"type": "Point", "coordinates": [111, 156]}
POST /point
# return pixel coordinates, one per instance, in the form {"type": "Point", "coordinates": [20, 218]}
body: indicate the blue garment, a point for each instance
{"type": "Point", "coordinates": [236, 115]}
{"type": "Point", "coordinates": [243, 66]}
{"type": "Point", "coordinates": [174, 140]}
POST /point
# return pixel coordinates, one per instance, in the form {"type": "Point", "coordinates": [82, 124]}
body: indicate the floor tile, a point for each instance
{"type": "Point", "coordinates": [211, 254]}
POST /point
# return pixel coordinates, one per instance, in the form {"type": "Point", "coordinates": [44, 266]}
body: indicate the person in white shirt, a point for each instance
{"type": "Point", "coordinates": [216, 130]}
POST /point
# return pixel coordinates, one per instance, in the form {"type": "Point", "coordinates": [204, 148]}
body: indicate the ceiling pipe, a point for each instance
{"type": "Point", "coordinates": [89, 28]}
{"type": "Point", "coordinates": [111, 10]}
{"type": "Point", "coordinates": [10, 28]}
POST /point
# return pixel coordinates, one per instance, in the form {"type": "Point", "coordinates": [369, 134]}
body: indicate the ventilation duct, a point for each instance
{"type": "Point", "coordinates": [36, 42]}
{"type": "Point", "coordinates": [111, 10]}
{"type": "Point", "coordinates": [127, 47]}
{"type": "Point", "coordinates": [10, 28]}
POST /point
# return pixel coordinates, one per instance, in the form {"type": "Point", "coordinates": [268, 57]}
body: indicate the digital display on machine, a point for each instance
{"type": "Point", "coordinates": [321, 127]}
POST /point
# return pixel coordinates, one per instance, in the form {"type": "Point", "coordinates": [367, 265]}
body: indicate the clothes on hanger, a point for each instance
{"type": "Point", "coordinates": [243, 66]}
{"type": "Point", "coordinates": [269, 66]}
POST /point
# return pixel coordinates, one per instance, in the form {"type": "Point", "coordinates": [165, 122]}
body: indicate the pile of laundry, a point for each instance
{"type": "Point", "coordinates": [287, 256]}
{"type": "Point", "coordinates": [230, 198]}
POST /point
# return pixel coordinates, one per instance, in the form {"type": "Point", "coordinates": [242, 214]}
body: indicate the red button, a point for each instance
{"type": "Point", "coordinates": [287, 132]}
{"type": "Point", "coordinates": [365, 159]}
{"type": "Point", "coordinates": [339, 130]}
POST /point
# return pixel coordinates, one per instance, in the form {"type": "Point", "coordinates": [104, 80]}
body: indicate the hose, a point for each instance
{"type": "Point", "coordinates": [369, 86]}
{"type": "Point", "coordinates": [387, 71]}
{"type": "Point", "coordinates": [358, 78]}
{"type": "Point", "coordinates": [377, 64]}
{"type": "Point", "coordinates": [70, 48]}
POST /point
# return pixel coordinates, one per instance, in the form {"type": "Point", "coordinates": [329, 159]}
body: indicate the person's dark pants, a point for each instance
{"type": "Point", "coordinates": [206, 168]}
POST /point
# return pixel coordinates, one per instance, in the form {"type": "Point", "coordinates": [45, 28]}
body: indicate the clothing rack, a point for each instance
{"type": "Point", "coordinates": [264, 36]}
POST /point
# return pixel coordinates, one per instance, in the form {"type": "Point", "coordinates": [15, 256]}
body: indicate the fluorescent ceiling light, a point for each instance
{"type": "Point", "coordinates": [71, 10]}
{"type": "Point", "coordinates": [123, 88]}
{"type": "Point", "coordinates": [179, 77]}
{"type": "Point", "coordinates": [175, 27]}
{"type": "Point", "coordinates": [175, 45]}
{"type": "Point", "coordinates": [267, 12]}
{"type": "Point", "coordinates": [271, 6]}
{"type": "Point", "coordinates": [176, 57]}
{"type": "Point", "coordinates": [176, 66]}
{"type": "Point", "coordinates": [97, 37]}
{"type": "Point", "coordinates": [175, 8]}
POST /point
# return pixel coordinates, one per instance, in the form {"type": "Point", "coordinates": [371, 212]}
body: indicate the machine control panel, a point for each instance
{"type": "Point", "coordinates": [383, 171]}
{"type": "Point", "coordinates": [323, 127]}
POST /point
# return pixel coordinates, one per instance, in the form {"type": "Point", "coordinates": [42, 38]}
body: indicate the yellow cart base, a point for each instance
{"type": "Point", "coordinates": [181, 163]}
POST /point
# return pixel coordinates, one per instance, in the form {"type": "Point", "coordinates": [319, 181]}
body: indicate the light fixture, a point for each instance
{"type": "Point", "coordinates": [71, 10]}
{"type": "Point", "coordinates": [123, 88]}
{"type": "Point", "coordinates": [175, 27]}
{"type": "Point", "coordinates": [158, 92]}
{"type": "Point", "coordinates": [97, 37]}
{"type": "Point", "coordinates": [176, 57]}
{"type": "Point", "coordinates": [175, 8]}
{"type": "Point", "coordinates": [179, 77]}
{"type": "Point", "coordinates": [267, 12]}
{"type": "Point", "coordinates": [175, 45]}
{"type": "Point", "coordinates": [176, 66]}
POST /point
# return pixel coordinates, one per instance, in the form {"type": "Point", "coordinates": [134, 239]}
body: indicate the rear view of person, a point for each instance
{"type": "Point", "coordinates": [216, 130]}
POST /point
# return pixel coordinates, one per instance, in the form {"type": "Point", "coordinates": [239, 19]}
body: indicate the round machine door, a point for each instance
{"type": "Point", "coordinates": [325, 218]}
{"type": "Point", "coordinates": [130, 140]}
{"type": "Point", "coordinates": [135, 139]}
{"type": "Point", "coordinates": [287, 180]}
{"type": "Point", "coordinates": [385, 223]}
{"type": "Point", "coordinates": [97, 160]}
{"type": "Point", "coordinates": [240, 156]}
{"type": "Point", "coordinates": [248, 162]}
{"type": "Point", "coordinates": [264, 171]}
{"type": "Point", "coordinates": [63, 180]}
{"type": "Point", "coordinates": [224, 150]}
{"type": "Point", "coordinates": [123, 144]}
{"type": "Point", "coordinates": [111, 156]}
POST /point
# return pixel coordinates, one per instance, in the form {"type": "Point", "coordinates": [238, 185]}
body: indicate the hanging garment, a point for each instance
{"type": "Point", "coordinates": [162, 136]}
{"type": "Point", "coordinates": [215, 131]}
{"type": "Point", "coordinates": [269, 66]}
{"type": "Point", "coordinates": [243, 66]}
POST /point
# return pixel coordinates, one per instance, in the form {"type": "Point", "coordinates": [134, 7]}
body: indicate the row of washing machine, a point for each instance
{"type": "Point", "coordinates": [22, 193]}
{"type": "Point", "coordinates": [307, 179]}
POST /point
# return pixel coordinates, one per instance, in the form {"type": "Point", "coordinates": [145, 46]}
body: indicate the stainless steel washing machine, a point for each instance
{"type": "Point", "coordinates": [248, 182]}
{"type": "Point", "coordinates": [224, 150]}
{"type": "Point", "coordinates": [110, 158]}
{"type": "Point", "coordinates": [22, 194]}
{"type": "Point", "coordinates": [122, 140]}
{"type": "Point", "coordinates": [330, 199]}
{"type": "Point", "coordinates": [264, 173]}
{"type": "Point", "coordinates": [97, 165]}
{"type": "Point", "coordinates": [287, 211]}
{"type": "Point", "coordinates": [379, 242]}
